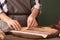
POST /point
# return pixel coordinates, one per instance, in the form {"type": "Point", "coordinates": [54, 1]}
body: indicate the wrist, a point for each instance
{"type": "Point", "coordinates": [4, 17]}
{"type": "Point", "coordinates": [1, 15]}
{"type": "Point", "coordinates": [32, 16]}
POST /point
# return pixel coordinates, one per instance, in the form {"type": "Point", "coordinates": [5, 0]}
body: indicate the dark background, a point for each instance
{"type": "Point", "coordinates": [50, 12]}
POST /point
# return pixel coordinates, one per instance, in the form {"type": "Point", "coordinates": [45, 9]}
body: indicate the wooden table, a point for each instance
{"type": "Point", "coordinates": [11, 37]}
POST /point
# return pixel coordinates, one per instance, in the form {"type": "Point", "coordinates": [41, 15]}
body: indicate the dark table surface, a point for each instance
{"type": "Point", "coordinates": [11, 37]}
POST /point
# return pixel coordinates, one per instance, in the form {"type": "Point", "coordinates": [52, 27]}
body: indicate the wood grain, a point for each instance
{"type": "Point", "coordinates": [43, 32]}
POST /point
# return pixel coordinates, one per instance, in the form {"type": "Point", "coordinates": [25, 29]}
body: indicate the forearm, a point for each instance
{"type": "Point", "coordinates": [36, 9]}
{"type": "Point", "coordinates": [34, 12]}
{"type": "Point", "coordinates": [4, 17]}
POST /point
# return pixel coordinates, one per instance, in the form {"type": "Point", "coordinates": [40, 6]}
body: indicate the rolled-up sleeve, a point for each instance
{"type": "Point", "coordinates": [3, 6]}
{"type": "Point", "coordinates": [37, 4]}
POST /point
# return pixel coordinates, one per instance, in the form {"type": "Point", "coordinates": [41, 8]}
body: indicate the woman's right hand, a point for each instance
{"type": "Point", "coordinates": [14, 24]}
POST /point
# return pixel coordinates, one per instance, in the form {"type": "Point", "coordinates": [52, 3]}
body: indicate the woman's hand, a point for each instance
{"type": "Point", "coordinates": [31, 22]}
{"type": "Point", "coordinates": [14, 24]}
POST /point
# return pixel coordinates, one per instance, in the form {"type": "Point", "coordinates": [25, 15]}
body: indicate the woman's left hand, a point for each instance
{"type": "Point", "coordinates": [31, 22]}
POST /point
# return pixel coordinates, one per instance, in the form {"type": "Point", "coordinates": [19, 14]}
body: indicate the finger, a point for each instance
{"type": "Point", "coordinates": [29, 23]}
{"type": "Point", "coordinates": [18, 25]}
{"type": "Point", "coordinates": [14, 26]}
{"type": "Point", "coordinates": [34, 24]}
{"type": "Point", "coordinates": [10, 26]}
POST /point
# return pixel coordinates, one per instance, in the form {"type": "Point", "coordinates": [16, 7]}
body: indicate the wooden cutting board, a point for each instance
{"type": "Point", "coordinates": [43, 32]}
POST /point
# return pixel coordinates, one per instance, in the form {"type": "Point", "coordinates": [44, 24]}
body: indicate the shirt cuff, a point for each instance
{"type": "Point", "coordinates": [37, 6]}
